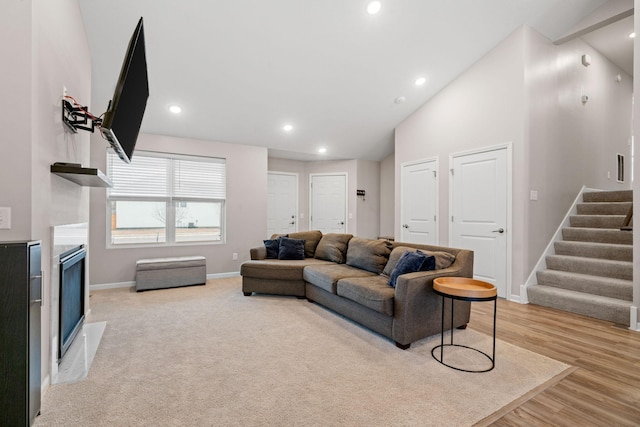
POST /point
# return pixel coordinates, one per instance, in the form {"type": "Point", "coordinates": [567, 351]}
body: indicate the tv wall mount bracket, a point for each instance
{"type": "Point", "coordinates": [78, 117]}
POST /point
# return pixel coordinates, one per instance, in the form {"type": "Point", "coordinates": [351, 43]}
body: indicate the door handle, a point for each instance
{"type": "Point", "coordinates": [341, 222]}
{"type": "Point", "coordinates": [292, 222]}
{"type": "Point", "coordinates": [499, 230]}
{"type": "Point", "coordinates": [405, 225]}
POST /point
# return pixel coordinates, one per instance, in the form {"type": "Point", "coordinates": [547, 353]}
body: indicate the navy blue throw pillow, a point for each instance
{"type": "Point", "coordinates": [273, 247]}
{"type": "Point", "coordinates": [409, 262]}
{"type": "Point", "coordinates": [429, 262]}
{"type": "Point", "coordinates": [291, 248]}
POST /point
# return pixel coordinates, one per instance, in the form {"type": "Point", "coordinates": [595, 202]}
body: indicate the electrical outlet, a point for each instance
{"type": "Point", "coordinates": [5, 218]}
{"type": "Point", "coordinates": [235, 256]}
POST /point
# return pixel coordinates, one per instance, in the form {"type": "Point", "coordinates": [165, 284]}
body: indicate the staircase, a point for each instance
{"type": "Point", "coordinates": [591, 271]}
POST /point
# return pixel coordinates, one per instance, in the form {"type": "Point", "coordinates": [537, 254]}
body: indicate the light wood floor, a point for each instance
{"type": "Point", "coordinates": [604, 389]}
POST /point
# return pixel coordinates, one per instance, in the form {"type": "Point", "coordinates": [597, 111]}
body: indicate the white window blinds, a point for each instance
{"type": "Point", "coordinates": [155, 176]}
{"type": "Point", "coordinates": [199, 179]}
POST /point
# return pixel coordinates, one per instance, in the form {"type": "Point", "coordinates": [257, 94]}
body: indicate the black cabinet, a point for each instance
{"type": "Point", "coordinates": [20, 348]}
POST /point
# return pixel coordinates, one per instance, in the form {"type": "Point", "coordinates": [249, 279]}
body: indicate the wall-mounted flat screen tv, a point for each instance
{"type": "Point", "coordinates": [122, 121]}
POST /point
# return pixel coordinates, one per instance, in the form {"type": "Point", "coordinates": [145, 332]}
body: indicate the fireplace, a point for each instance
{"type": "Point", "coordinates": [71, 297]}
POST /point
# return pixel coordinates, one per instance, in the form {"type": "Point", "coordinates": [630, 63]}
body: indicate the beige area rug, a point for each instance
{"type": "Point", "coordinates": [209, 356]}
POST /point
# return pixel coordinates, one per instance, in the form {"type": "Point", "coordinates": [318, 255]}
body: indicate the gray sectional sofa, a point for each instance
{"type": "Point", "coordinates": [350, 276]}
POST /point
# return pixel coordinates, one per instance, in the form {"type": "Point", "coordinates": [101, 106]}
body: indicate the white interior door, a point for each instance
{"type": "Point", "coordinates": [419, 184]}
{"type": "Point", "coordinates": [282, 203]}
{"type": "Point", "coordinates": [328, 203]}
{"type": "Point", "coordinates": [479, 210]}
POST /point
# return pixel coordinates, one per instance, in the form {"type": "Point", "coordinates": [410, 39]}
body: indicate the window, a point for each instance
{"type": "Point", "coordinates": [162, 199]}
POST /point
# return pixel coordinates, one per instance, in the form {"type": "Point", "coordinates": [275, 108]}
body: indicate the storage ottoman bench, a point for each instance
{"type": "Point", "coordinates": [161, 273]}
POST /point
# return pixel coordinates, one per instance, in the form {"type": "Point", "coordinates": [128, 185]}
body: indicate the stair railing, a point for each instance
{"type": "Point", "coordinates": [627, 225]}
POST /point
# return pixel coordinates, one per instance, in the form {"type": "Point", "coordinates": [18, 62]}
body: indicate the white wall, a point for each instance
{"type": "Point", "coordinates": [246, 210]}
{"type": "Point", "coordinates": [526, 91]}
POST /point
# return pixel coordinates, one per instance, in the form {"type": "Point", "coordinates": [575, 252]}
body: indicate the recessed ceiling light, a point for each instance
{"type": "Point", "coordinates": [632, 35]}
{"type": "Point", "coordinates": [420, 81]}
{"type": "Point", "coordinates": [322, 150]}
{"type": "Point", "coordinates": [287, 128]}
{"type": "Point", "coordinates": [175, 109]}
{"type": "Point", "coordinates": [374, 7]}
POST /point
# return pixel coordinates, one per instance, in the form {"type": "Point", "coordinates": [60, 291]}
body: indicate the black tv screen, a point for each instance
{"type": "Point", "coordinates": [121, 123]}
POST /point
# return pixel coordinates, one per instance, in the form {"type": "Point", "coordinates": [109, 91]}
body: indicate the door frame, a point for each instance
{"type": "Point", "coordinates": [437, 195]}
{"type": "Point", "coordinates": [508, 146]}
{"type": "Point", "coordinates": [346, 197]}
{"type": "Point", "coordinates": [297, 192]}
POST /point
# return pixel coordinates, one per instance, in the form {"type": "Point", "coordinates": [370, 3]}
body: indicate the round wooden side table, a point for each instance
{"type": "Point", "coordinates": [464, 289]}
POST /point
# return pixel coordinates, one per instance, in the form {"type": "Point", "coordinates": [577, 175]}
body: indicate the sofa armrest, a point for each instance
{"type": "Point", "coordinates": [417, 307]}
{"type": "Point", "coordinates": [258, 253]}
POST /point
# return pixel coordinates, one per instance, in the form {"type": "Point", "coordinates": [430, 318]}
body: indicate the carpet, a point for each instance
{"type": "Point", "coordinates": [209, 356]}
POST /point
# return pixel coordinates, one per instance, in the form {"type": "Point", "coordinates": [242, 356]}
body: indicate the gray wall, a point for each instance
{"type": "Point", "coordinates": [246, 211]}
{"type": "Point", "coordinates": [44, 48]}
{"type": "Point", "coordinates": [364, 220]}
{"type": "Point", "coordinates": [368, 207]}
{"type": "Point", "coordinates": [526, 91]}
{"type": "Point", "coordinates": [299, 168]}
{"type": "Point", "coordinates": [387, 195]}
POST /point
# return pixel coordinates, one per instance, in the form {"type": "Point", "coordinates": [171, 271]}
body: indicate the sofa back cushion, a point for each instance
{"type": "Point", "coordinates": [311, 240]}
{"type": "Point", "coordinates": [367, 254]}
{"type": "Point", "coordinates": [333, 247]}
{"type": "Point", "coordinates": [273, 247]}
{"type": "Point", "coordinates": [409, 262]}
{"type": "Point", "coordinates": [443, 259]}
{"type": "Point", "coordinates": [291, 248]}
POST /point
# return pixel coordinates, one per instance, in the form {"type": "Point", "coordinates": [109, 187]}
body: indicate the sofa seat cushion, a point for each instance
{"type": "Point", "coordinates": [371, 292]}
{"type": "Point", "coordinates": [277, 269]}
{"type": "Point", "coordinates": [169, 263]}
{"type": "Point", "coordinates": [326, 276]}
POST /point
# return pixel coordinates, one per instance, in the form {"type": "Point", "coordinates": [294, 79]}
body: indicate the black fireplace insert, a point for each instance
{"type": "Point", "coordinates": [72, 289]}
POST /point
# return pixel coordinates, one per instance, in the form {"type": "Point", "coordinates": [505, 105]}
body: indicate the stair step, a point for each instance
{"type": "Point", "coordinates": [596, 267]}
{"type": "Point", "coordinates": [603, 208]}
{"type": "Point", "coordinates": [608, 196]}
{"type": "Point", "coordinates": [596, 285]}
{"type": "Point", "coordinates": [597, 221]}
{"type": "Point", "coordinates": [597, 235]}
{"type": "Point", "coordinates": [599, 307]}
{"type": "Point", "coordinates": [595, 250]}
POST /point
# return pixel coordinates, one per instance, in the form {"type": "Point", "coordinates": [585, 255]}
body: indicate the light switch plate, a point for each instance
{"type": "Point", "coordinates": [5, 218]}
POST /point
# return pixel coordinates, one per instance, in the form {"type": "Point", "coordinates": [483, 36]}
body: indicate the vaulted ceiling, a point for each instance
{"type": "Point", "coordinates": [342, 78]}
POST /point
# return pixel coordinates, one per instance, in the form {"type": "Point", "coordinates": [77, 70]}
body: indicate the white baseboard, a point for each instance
{"type": "Point", "coordinates": [104, 286]}
{"type": "Point", "coordinates": [132, 284]}
{"type": "Point", "coordinates": [46, 382]}
{"type": "Point", "coordinates": [634, 321]}
{"type": "Point", "coordinates": [223, 275]}
{"type": "Point", "coordinates": [524, 298]}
